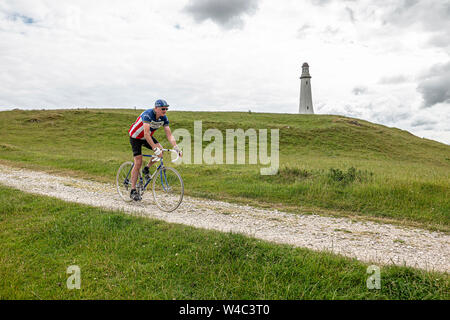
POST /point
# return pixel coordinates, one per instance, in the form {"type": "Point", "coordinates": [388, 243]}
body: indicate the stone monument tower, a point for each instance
{"type": "Point", "coordinates": [306, 106]}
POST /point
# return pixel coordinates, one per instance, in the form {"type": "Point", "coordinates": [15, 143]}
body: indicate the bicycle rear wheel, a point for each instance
{"type": "Point", "coordinates": [168, 189]}
{"type": "Point", "coordinates": [123, 180]}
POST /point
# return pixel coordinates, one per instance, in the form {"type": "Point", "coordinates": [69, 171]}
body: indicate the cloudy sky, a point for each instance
{"type": "Point", "coordinates": [386, 61]}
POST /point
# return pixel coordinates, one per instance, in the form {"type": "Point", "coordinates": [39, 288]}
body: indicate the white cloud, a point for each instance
{"type": "Point", "coordinates": [367, 59]}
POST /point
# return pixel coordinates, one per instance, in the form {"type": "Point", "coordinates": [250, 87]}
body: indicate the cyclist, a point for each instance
{"type": "Point", "coordinates": [141, 134]}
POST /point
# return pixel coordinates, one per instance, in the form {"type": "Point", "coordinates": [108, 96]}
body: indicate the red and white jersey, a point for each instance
{"type": "Point", "coordinates": [149, 116]}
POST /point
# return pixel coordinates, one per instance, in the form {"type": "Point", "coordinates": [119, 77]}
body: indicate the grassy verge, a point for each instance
{"type": "Point", "coordinates": [125, 257]}
{"type": "Point", "coordinates": [398, 176]}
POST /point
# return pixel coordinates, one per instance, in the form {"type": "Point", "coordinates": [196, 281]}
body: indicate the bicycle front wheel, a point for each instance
{"type": "Point", "coordinates": [168, 189]}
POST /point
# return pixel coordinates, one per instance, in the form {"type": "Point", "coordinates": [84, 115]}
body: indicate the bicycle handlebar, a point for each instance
{"type": "Point", "coordinates": [171, 150]}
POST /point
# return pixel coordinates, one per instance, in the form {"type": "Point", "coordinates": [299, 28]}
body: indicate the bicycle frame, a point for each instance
{"type": "Point", "coordinates": [161, 165]}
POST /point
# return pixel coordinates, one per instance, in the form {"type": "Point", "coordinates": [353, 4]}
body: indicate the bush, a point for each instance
{"type": "Point", "coordinates": [290, 175]}
{"type": "Point", "coordinates": [352, 175]}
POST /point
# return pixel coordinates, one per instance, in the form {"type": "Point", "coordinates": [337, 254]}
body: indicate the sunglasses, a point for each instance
{"type": "Point", "coordinates": [164, 109]}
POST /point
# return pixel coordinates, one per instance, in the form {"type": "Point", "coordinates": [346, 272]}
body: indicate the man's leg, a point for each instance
{"type": "Point", "coordinates": [135, 170]}
{"type": "Point", "coordinates": [151, 162]}
{"type": "Point", "coordinates": [136, 146]}
{"type": "Point", "coordinates": [146, 169]}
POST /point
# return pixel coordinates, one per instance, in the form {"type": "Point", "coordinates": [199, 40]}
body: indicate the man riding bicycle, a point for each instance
{"type": "Point", "coordinates": [141, 134]}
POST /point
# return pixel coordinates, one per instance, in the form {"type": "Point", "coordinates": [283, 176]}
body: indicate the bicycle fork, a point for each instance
{"type": "Point", "coordinates": [164, 182]}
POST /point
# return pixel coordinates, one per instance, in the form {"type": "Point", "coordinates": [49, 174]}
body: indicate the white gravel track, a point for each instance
{"type": "Point", "coordinates": [371, 242]}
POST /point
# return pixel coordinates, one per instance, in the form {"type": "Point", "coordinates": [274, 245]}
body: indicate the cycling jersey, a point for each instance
{"type": "Point", "coordinates": [148, 116]}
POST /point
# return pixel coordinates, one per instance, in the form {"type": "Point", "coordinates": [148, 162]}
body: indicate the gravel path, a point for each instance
{"type": "Point", "coordinates": [367, 241]}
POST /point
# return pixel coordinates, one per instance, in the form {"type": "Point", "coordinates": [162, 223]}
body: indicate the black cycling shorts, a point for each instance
{"type": "Point", "coordinates": [136, 145]}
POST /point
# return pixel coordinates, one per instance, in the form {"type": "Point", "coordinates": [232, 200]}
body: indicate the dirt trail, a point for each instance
{"type": "Point", "coordinates": [367, 241]}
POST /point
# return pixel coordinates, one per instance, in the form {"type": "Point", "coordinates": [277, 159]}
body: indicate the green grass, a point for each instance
{"type": "Point", "coordinates": [398, 177]}
{"type": "Point", "coordinates": [126, 257]}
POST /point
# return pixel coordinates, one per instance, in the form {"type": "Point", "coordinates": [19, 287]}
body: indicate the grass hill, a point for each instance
{"type": "Point", "coordinates": [328, 164]}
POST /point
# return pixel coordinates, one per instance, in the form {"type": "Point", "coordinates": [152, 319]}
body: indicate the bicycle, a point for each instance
{"type": "Point", "coordinates": [167, 187]}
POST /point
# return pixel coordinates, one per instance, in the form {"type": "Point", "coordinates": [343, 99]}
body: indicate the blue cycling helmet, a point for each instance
{"type": "Point", "coordinates": [161, 103]}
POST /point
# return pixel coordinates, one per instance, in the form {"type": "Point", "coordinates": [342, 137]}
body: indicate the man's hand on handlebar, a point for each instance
{"type": "Point", "coordinates": [158, 152]}
{"type": "Point", "coordinates": [180, 153]}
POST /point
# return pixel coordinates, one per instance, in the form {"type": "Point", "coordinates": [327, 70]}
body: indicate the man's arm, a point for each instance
{"type": "Point", "coordinates": [172, 140]}
{"type": "Point", "coordinates": [147, 136]}
{"type": "Point", "coordinates": [169, 136]}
